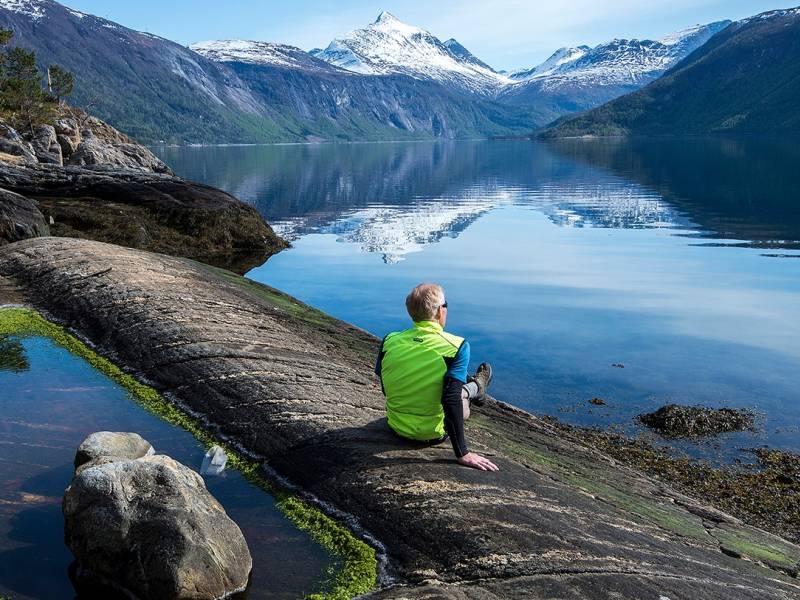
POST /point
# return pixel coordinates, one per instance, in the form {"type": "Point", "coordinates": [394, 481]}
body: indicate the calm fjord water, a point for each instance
{"type": "Point", "coordinates": [678, 259]}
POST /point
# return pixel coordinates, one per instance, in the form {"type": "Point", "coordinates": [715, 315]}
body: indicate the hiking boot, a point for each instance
{"type": "Point", "coordinates": [483, 377]}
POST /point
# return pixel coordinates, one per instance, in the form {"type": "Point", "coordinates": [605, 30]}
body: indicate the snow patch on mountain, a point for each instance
{"type": "Point", "coordinates": [679, 36]}
{"type": "Point", "coordinates": [35, 9]}
{"type": "Point", "coordinates": [260, 53]}
{"type": "Point", "coordinates": [462, 53]}
{"type": "Point", "coordinates": [389, 46]}
{"type": "Point", "coordinates": [771, 14]}
{"type": "Point", "coordinates": [559, 57]}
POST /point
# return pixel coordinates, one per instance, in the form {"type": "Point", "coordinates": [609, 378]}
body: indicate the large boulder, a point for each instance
{"type": "Point", "coordinates": [94, 151]}
{"type": "Point", "coordinates": [147, 526]}
{"type": "Point", "coordinates": [45, 145]}
{"type": "Point", "coordinates": [100, 144]}
{"type": "Point", "coordinates": [70, 129]}
{"type": "Point", "coordinates": [150, 211]}
{"type": "Point", "coordinates": [75, 138]}
{"type": "Point", "coordinates": [20, 218]}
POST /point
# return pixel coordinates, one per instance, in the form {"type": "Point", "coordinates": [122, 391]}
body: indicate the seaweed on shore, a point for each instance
{"type": "Point", "coordinates": [764, 493]}
{"type": "Point", "coordinates": [358, 574]}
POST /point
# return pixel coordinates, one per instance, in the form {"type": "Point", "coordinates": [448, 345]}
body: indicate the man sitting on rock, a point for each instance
{"type": "Point", "coordinates": [423, 373]}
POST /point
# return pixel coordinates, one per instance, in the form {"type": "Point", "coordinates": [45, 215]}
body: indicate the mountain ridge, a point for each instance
{"type": "Point", "coordinates": [579, 78]}
{"type": "Point", "coordinates": [386, 81]}
{"type": "Point", "coordinates": [748, 70]}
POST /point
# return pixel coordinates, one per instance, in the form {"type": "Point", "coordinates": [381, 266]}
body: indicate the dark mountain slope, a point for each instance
{"type": "Point", "coordinates": [746, 79]}
{"type": "Point", "coordinates": [147, 86]}
{"type": "Point", "coordinates": [348, 106]}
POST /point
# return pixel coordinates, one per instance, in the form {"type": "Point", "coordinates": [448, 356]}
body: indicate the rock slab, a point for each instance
{"type": "Point", "coordinates": [145, 525]}
{"type": "Point", "coordinates": [295, 386]}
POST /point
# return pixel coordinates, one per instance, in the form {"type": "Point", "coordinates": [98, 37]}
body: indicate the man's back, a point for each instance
{"type": "Point", "coordinates": [412, 367]}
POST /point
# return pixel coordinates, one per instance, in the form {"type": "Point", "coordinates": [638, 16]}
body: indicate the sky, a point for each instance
{"type": "Point", "coordinates": [507, 34]}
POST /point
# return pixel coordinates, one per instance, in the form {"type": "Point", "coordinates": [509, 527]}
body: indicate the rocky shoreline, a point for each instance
{"type": "Point", "coordinates": [294, 387]}
{"type": "Point", "coordinates": [763, 492]}
{"type": "Point", "coordinates": [82, 178]}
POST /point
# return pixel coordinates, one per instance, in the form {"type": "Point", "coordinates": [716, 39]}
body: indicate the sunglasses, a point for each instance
{"type": "Point", "coordinates": [444, 305]}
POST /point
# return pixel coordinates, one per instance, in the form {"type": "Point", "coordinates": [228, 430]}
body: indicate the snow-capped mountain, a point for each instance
{"type": "Point", "coordinates": [620, 61]}
{"type": "Point", "coordinates": [580, 78]}
{"type": "Point", "coordinates": [389, 80]}
{"type": "Point", "coordinates": [560, 57]}
{"type": "Point", "coordinates": [158, 90]}
{"type": "Point", "coordinates": [260, 53]}
{"type": "Point", "coordinates": [745, 80]}
{"type": "Point", "coordinates": [389, 46]}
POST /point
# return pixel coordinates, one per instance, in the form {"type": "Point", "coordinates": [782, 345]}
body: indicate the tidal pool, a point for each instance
{"type": "Point", "coordinates": [50, 400]}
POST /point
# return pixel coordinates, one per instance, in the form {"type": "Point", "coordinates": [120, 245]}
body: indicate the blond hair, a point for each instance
{"type": "Point", "coordinates": [424, 301]}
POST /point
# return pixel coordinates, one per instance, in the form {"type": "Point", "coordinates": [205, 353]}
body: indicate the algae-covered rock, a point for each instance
{"type": "Point", "coordinates": [149, 527]}
{"type": "Point", "coordinates": [678, 421]}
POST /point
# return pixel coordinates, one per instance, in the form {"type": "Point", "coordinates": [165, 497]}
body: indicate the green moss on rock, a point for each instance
{"type": "Point", "coordinates": [358, 574]}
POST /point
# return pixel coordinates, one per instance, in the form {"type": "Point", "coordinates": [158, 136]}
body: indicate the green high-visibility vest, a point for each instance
{"type": "Point", "coordinates": [413, 367]}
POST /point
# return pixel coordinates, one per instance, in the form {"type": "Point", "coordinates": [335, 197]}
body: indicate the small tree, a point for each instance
{"type": "Point", "coordinates": [5, 36]}
{"type": "Point", "coordinates": [60, 82]}
{"type": "Point", "coordinates": [22, 88]}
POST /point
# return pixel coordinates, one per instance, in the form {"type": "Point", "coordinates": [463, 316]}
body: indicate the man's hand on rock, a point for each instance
{"type": "Point", "coordinates": [476, 461]}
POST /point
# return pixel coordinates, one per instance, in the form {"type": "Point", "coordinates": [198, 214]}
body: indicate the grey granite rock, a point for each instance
{"type": "Point", "coordinates": [15, 147]}
{"type": "Point", "coordinates": [97, 143]}
{"type": "Point", "coordinates": [148, 526]}
{"type": "Point", "coordinates": [45, 145]}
